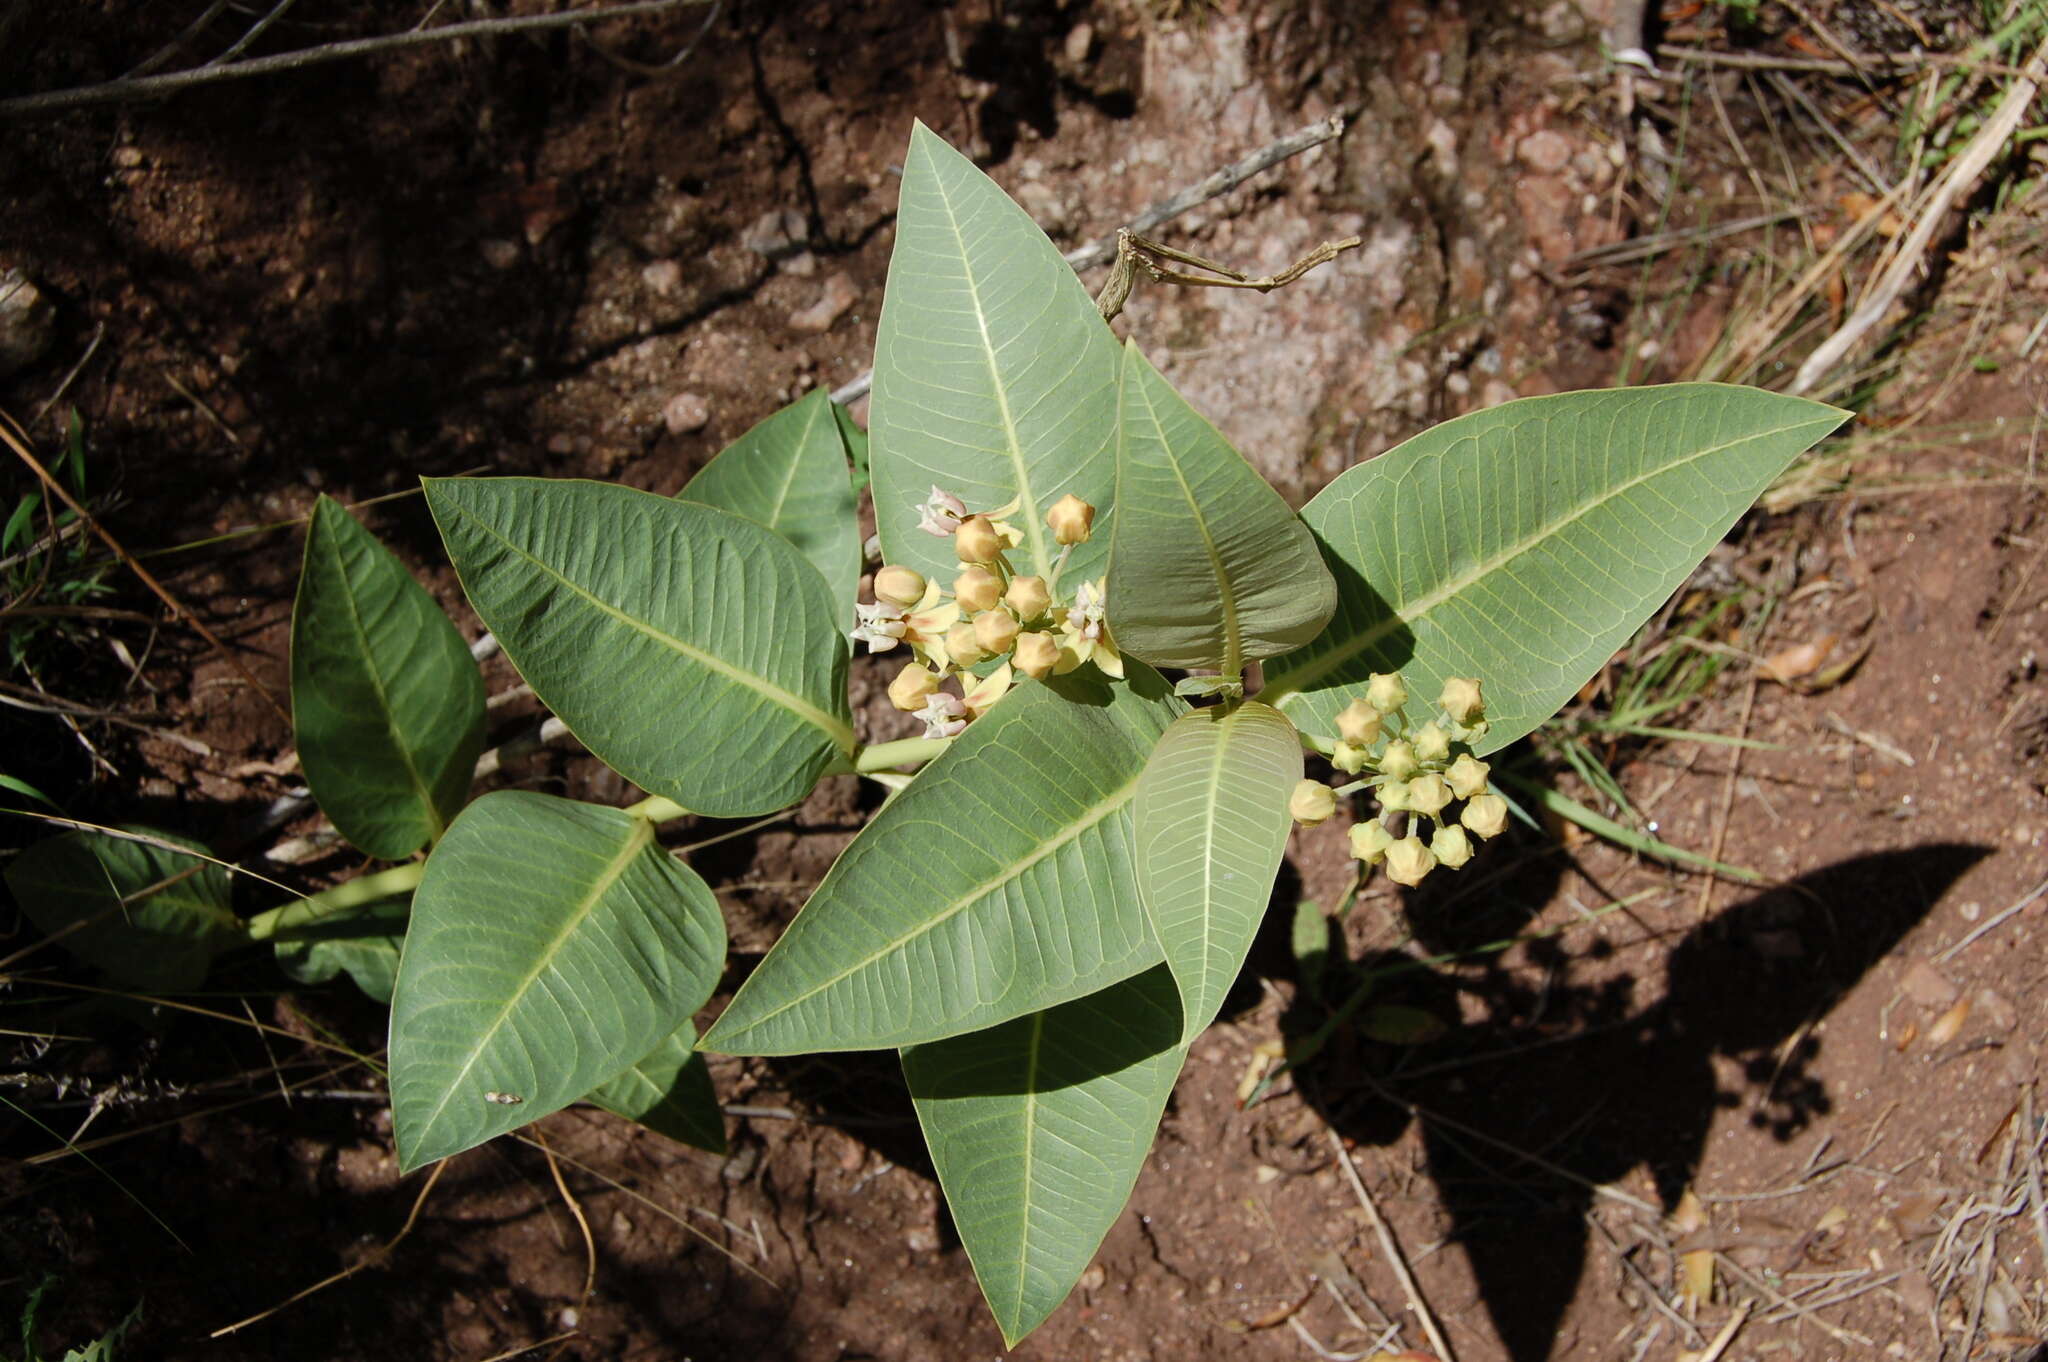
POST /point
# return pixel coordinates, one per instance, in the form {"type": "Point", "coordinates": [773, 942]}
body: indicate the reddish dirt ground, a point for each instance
{"type": "Point", "coordinates": [517, 256]}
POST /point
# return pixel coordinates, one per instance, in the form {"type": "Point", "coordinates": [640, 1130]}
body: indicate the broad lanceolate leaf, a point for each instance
{"type": "Point", "coordinates": [789, 474]}
{"type": "Point", "coordinates": [1522, 545]}
{"type": "Point", "coordinates": [995, 377]}
{"type": "Point", "coordinates": [999, 883]}
{"type": "Point", "coordinates": [552, 944]}
{"type": "Point", "coordinates": [1038, 1128]}
{"type": "Point", "coordinates": [669, 1091]}
{"type": "Point", "coordinates": [699, 655]}
{"type": "Point", "coordinates": [363, 943]}
{"type": "Point", "coordinates": [1208, 567]}
{"type": "Point", "coordinates": [1211, 825]}
{"type": "Point", "coordinates": [387, 704]}
{"type": "Point", "coordinates": [91, 888]}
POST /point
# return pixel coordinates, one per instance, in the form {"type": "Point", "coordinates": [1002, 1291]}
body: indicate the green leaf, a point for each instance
{"type": "Point", "coordinates": [26, 790]}
{"type": "Point", "coordinates": [697, 654]}
{"type": "Point", "coordinates": [856, 441]}
{"type": "Point", "coordinates": [387, 704]}
{"type": "Point", "coordinates": [1211, 826]}
{"type": "Point", "coordinates": [1207, 565]}
{"type": "Point", "coordinates": [99, 896]}
{"type": "Point", "coordinates": [552, 945]}
{"type": "Point", "coordinates": [1309, 939]}
{"type": "Point", "coordinates": [363, 943]}
{"type": "Point", "coordinates": [788, 474]}
{"type": "Point", "coordinates": [1038, 1128]}
{"type": "Point", "coordinates": [999, 883]}
{"type": "Point", "coordinates": [669, 1091]}
{"type": "Point", "coordinates": [1399, 1024]}
{"type": "Point", "coordinates": [995, 377]}
{"type": "Point", "coordinates": [1523, 545]}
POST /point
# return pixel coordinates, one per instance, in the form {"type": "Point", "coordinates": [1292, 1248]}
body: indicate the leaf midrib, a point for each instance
{"type": "Point", "coordinates": [436, 825]}
{"type": "Point", "coordinates": [1232, 662]}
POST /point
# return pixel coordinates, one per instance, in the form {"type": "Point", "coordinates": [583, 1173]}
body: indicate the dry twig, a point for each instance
{"type": "Point", "coordinates": [1392, 1249]}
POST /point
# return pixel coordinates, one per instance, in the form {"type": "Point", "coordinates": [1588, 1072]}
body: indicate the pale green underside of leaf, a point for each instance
{"type": "Point", "coordinates": [1038, 1129]}
{"type": "Point", "coordinates": [161, 943]}
{"type": "Point", "coordinates": [1208, 567]}
{"type": "Point", "coordinates": [387, 704]}
{"type": "Point", "coordinates": [1211, 825]}
{"type": "Point", "coordinates": [1523, 545]}
{"type": "Point", "coordinates": [669, 1091]}
{"type": "Point", "coordinates": [789, 474]}
{"type": "Point", "coordinates": [697, 654]}
{"type": "Point", "coordinates": [363, 944]}
{"type": "Point", "coordinates": [552, 945]}
{"type": "Point", "coordinates": [997, 884]}
{"type": "Point", "coordinates": [995, 377]}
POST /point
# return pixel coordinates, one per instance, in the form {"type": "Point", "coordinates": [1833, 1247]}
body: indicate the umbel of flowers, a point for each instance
{"type": "Point", "coordinates": [992, 615]}
{"type": "Point", "coordinates": [1416, 773]}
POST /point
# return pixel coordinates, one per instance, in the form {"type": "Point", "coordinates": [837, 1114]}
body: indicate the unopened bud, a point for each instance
{"type": "Point", "coordinates": [1393, 796]}
{"type": "Point", "coordinates": [1462, 701]}
{"type": "Point", "coordinates": [1369, 841]}
{"type": "Point", "coordinates": [977, 589]}
{"type": "Point", "coordinates": [1432, 744]}
{"type": "Point", "coordinates": [1036, 654]}
{"type": "Point", "coordinates": [1359, 723]}
{"type": "Point", "coordinates": [1467, 776]}
{"type": "Point", "coordinates": [1408, 860]}
{"type": "Point", "coordinates": [1312, 802]}
{"type": "Point", "coordinates": [1451, 847]}
{"type": "Point", "coordinates": [1398, 761]}
{"type": "Point", "coordinates": [1427, 794]}
{"type": "Point", "coordinates": [1071, 520]}
{"type": "Point", "coordinates": [1028, 597]}
{"type": "Point", "coordinates": [976, 541]}
{"type": "Point", "coordinates": [899, 585]}
{"type": "Point", "coordinates": [961, 646]}
{"type": "Point", "coordinates": [1349, 758]}
{"type": "Point", "coordinates": [1486, 815]}
{"type": "Point", "coordinates": [912, 687]}
{"type": "Point", "coordinates": [1386, 692]}
{"type": "Point", "coordinates": [995, 631]}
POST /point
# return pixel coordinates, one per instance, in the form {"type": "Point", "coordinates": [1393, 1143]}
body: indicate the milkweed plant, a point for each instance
{"type": "Point", "coordinates": [1121, 644]}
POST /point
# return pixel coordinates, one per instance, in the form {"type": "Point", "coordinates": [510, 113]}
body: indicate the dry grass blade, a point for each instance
{"type": "Point", "coordinates": [1392, 1248]}
{"type": "Point", "coordinates": [582, 1226]}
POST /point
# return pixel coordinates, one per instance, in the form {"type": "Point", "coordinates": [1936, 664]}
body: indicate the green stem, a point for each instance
{"type": "Point", "coordinates": [286, 918]}
{"type": "Point", "coordinates": [658, 809]}
{"type": "Point", "coordinates": [884, 755]}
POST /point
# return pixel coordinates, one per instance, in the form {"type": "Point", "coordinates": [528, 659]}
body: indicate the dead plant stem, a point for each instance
{"type": "Point", "coordinates": [1392, 1248]}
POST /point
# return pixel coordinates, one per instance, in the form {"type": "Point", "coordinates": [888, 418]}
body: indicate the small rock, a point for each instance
{"type": "Point", "coordinates": [1094, 1277]}
{"type": "Point", "coordinates": [839, 295]}
{"type": "Point", "coordinates": [1495, 393]}
{"type": "Point", "coordinates": [776, 234]}
{"type": "Point", "coordinates": [1080, 43]}
{"type": "Point", "coordinates": [128, 158]}
{"type": "Point", "coordinates": [1926, 985]}
{"type": "Point", "coordinates": [921, 1239]}
{"type": "Point", "coordinates": [803, 265]}
{"type": "Point", "coordinates": [1996, 1012]}
{"type": "Point", "coordinates": [28, 322]}
{"type": "Point", "coordinates": [686, 413]}
{"type": "Point", "coordinates": [663, 276]}
{"type": "Point", "coordinates": [1042, 201]}
{"type": "Point", "coordinates": [499, 253]}
{"type": "Point", "coordinates": [561, 445]}
{"type": "Point", "coordinates": [1545, 152]}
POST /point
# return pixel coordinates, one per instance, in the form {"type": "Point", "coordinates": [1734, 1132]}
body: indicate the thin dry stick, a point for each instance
{"type": "Point", "coordinates": [540, 1139]}
{"type": "Point", "coordinates": [1989, 923]}
{"type": "Point", "coordinates": [1166, 209]}
{"type": "Point", "coordinates": [118, 91]}
{"type": "Point", "coordinates": [1644, 1284]}
{"type": "Point", "coordinates": [1897, 61]}
{"type": "Point", "coordinates": [21, 450]}
{"type": "Point", "coordinates": [374, 1258]}
{"type": "Point", "coordinates": [1961, 174]}
{"type": "Point", "coordinates": [1706, 903]}
{"type": "Point", "coordinates": [1392, 1249]}
{"type": "Point", "coordinates": [1726, 1336]}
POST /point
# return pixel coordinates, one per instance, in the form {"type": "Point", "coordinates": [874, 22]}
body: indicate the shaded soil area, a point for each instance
{"type": "Point", "coordinates": [552, 254]}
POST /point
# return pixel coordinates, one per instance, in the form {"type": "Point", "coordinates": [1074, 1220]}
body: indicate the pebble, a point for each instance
{"type": "Point", "coordinates": [663, 276]}
{"type": "Point", "coordinates": [499, 253]}
{"type": "Point", "coordinates": [777, 233]}
{"type": "Point", "coordinates": [686, 413]}
{"type": "Point", "coordinates": [1080, 43]}
{"type": "Point", "coordinates": [1926, 985]}
{"type": "Point", "coordinates": [27, 322]}
{"type": "Point", "coordinates": [839, 295]}
{"type": "Point", "coordinates": [1545, 152]}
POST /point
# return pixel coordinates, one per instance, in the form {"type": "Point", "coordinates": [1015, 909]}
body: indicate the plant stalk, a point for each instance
{"type": "Point", "coordinates": [283, 920]}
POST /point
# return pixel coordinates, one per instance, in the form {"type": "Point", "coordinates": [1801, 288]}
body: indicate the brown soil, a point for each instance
{"type": "Point", "coordinates": [516, 256]}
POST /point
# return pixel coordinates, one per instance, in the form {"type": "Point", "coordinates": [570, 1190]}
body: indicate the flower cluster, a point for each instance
{"type": "Point", "coordinates": [1416, 773]}
{"type": "Point", "coordinates": [991, 614]}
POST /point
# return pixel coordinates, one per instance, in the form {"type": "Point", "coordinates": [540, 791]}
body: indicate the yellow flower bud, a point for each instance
{"type": "Point", "coordinates": [1428, 794]}
{"type": "Point", "coordinates": [1393, 796]}
{"type": "Point", "coordinates": [976, 541]}
{"type": "Point", "coordinates": [977, 589]}
{"type": "Point", "coordinates": [995, 631]}
{"type": "Point", "coordinates": [1451, 847]}
{"type": "Point", "coordinates": [912, 687]}
{"type": "Point", "coordinates": [1369, 841]}
{"type": "Point", "coordinates": [1408, 860]}
{"type": "Point", "coordinates": [1461, 700]}
{"type": "Point", "coordinates": [1312, 802]}
{"type": "Point", "coordinates": [1398, 761]}
{"type": "Point", "coordinates": [899, 586]}
{"type": "Point", "coordinates": [1349, 758]}
{"type": "Point", "coordinates": [1071, 520]}
{"type": "Point", "coordinates": [1386, 692]}
{"type": "Point", "coordinates": [1467, 776]}
{"type": "Point", "coordinates": [961, 646]}
{"type": "Point", "coordinates": [1432, 744]}
{"type": "Point", "coordinates": [1358, 723]}
{"type": "Point", "coordinates": [1036, 654]}
{"type": "Point", "coordinates": [1028, 597]}
{"type": "Point", "coordinates": [1486, 815]}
